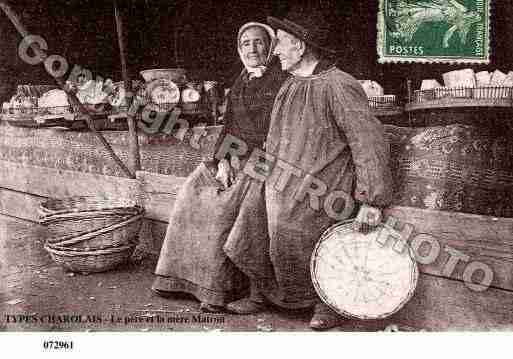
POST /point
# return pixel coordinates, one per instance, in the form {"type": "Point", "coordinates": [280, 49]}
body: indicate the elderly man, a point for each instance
{"type": "Point", "coordinates": [192, 259]}
{"type": "Point", "coordinates": [323, 148]}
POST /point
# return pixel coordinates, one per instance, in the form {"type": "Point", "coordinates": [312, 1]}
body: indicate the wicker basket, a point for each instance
{"type": "Point", "coordinates": [90, 222]}
{"type": "Point", "coordinates": [91, 261]}
{"type": "Point", "coordinates": [61, 248]}
{"type": "Point", "coordinates": [382, 102]}
{"type": "Point", "coordinates": [83, 204]}
{"type": "Point", "coordinates": [485, 94]}
{"type": "Point", "coordinates": [191, 107]}
{"type": "Point", "coordinates": [61, 226]}
{"type": "Point", "coordinates": [118, 234]}
{"type": "Point", "coordinates": [453, 168]}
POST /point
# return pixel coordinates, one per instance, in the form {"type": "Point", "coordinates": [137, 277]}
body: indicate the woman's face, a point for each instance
{"type": "Point", "coordinates": [254, 46]}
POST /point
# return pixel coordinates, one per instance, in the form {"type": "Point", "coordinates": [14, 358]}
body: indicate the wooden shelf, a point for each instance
{"type": "Point", "coordinates": [68, 121]}
{"type": "Point", "coordinates": [39, 121]}
{"type": "Point", "coordinates": [458, 103]}
{"type": "Point", "coordinates": [387, 112]}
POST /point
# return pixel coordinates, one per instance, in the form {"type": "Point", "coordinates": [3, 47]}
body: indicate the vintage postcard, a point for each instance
{"type": "Point", "coordinates": [258, 167]}
{"type": "Point", "coordinates": [431, 31]}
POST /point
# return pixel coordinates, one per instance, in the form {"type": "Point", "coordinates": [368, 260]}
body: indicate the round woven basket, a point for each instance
{"type": "Point", "coordinates": [90, 222]}
{"type": "Point", "coordinates": [121, 233]}
{"type": "Point", "coordinates": [91, 261]}
{"type": "Point", "coordinates": [60, 227]}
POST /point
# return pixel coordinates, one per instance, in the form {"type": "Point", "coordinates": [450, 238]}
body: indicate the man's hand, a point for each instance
{"type": "Point", "coordinates": [225, 173]}
{"type": "Point", "coordinates": [368, 217]}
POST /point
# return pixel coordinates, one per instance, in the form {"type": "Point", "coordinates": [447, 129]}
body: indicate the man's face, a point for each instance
{"type": "Point", "coordinates": [288, 50]}
{"type": "Point", "coordinates": [254, 46]}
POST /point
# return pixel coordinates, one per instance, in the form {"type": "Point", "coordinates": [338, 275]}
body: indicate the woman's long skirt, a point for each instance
{"type": "Point", "coordinates": [192, 259]}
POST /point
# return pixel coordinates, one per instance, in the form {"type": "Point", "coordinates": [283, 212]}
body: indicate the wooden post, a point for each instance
{"type": "Point", "coordinates": [410, 99]}
{"type": "Point", "coordinates": [72, 97]}
{"type": "Point", "coordinates": [133, 144]}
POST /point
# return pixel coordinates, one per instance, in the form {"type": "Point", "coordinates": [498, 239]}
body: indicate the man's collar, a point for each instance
{"type": "Point", "coordinates": [322, 66]}
{"type": "Point", "coordinates": [305, 68]}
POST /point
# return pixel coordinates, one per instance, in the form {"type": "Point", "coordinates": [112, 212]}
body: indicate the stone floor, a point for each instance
{"type": "Point", "coordinates": [36, 294]}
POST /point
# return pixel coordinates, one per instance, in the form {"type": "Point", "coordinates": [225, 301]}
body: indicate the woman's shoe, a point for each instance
{"type": "Point", "coordinates": [325, 318]}
{"type": "Point", "coordinates": [246, 306]}
{"type": "Point", "coordinates": [211, 308]}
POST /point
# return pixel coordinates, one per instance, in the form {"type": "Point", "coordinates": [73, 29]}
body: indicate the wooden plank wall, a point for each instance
{"type": "Point", "coordinates": [19, 204]}
{"type": "Point", "coordinates": [484, 239]}
{"type": "Point", "coordinates": [58, 183]}
{"type": "Point", "coordinates": [81, 151]}
{"type": "Point", "coordinates": [447, 304]}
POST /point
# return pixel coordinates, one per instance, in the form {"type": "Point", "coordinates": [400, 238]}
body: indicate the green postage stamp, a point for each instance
{"type": "Point", "coordinates": [433, 31]}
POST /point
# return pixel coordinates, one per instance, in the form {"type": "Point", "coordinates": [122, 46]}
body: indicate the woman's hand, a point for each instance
{"type": "Point", "coordinates": [225, 173]}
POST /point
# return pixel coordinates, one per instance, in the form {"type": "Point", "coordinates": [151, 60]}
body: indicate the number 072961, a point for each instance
{"type": "Point", "coordinates": [57, 345]}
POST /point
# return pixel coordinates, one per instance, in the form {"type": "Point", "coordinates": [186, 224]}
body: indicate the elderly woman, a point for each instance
{"type": "Point", "coordinates": [207, 209]}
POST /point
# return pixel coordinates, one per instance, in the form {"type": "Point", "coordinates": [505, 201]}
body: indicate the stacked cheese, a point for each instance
{"type": "Point", "coordinates": [468, 84]}
{"type": "Point", "coordinates": [55, 101]}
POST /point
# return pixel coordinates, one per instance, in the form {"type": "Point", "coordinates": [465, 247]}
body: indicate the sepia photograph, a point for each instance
{"type": "Point", "coordinates": [255, 166]}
